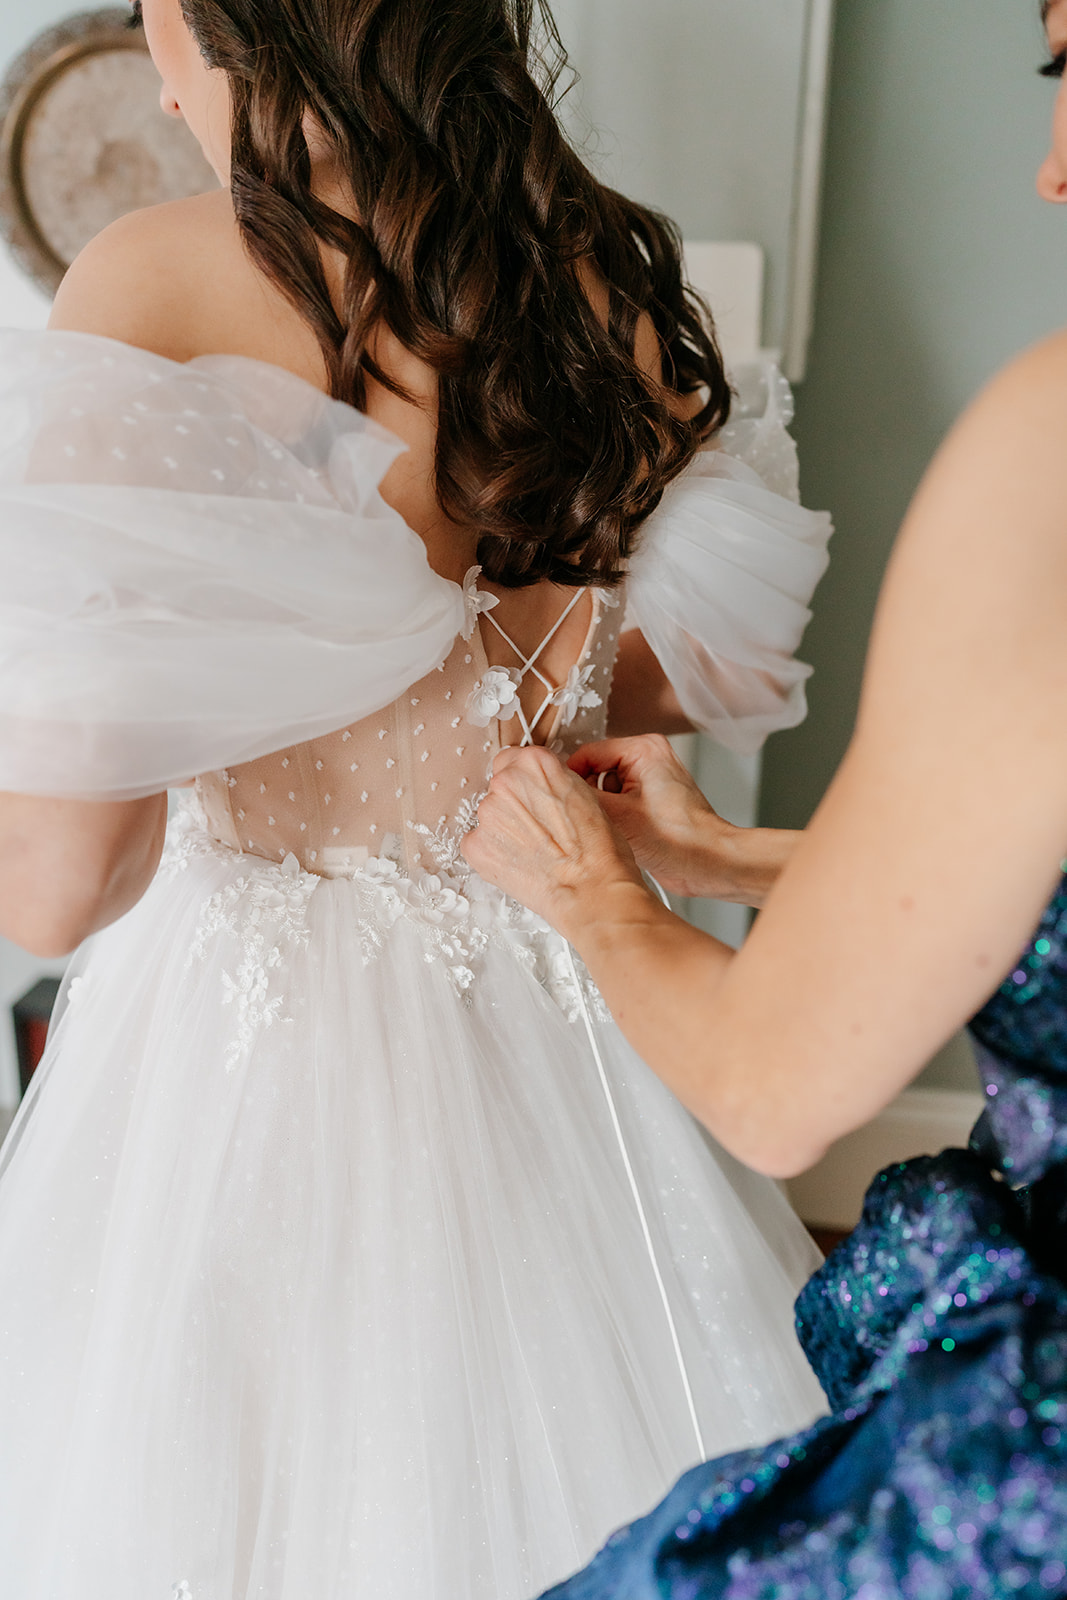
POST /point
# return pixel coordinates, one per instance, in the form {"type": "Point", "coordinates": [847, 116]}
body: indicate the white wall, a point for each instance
{"type": "Point", "coordinates": [700, 108]}
{"type": "Point", "coordinates": [22, 20]}
{"type": "Point", "coordinates": [22, 305]}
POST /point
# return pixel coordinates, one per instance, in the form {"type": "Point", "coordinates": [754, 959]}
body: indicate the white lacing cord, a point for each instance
{"type": "Point", "coordinates": [635, 1191]}
{"type": "Point", "coordinates": [529, 664]}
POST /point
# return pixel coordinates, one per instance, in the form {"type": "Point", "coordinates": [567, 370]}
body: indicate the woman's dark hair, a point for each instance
{"type": "Point", "coordinates": [476, 221]}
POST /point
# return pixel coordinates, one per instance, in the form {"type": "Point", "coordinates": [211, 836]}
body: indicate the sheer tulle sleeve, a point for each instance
{"type": "Point", "coordinates": [196, 567]}
{"type": "Point", "coordinates": [726, 567]}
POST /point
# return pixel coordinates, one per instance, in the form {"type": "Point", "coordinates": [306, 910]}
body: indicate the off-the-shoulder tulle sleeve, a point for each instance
{"type": "Point", "coordinates": [726, 567]}
{"type": "Point", "coordinates": [196, 567]}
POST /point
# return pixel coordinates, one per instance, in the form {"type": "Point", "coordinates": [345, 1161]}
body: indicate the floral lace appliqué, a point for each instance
{"type": "Point", "coordinates": [446, 844]}
{"type": "Point", "coordinates": [265, 913]}
{"type": "Point", "coordinates": [489, 917]}
{"type": "Point", "coordinates": [460, 916]}
{"type": "Point", "coordinates": [188, 837]}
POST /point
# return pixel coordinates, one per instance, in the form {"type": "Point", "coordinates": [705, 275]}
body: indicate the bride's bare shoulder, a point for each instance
{"type": "Point", "coordinates": [163, 279]}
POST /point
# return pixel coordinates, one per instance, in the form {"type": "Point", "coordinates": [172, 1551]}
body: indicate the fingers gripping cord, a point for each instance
{"type": "Point", "coordinates": [638, 1203]}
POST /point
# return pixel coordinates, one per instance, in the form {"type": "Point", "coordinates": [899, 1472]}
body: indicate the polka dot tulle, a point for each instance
{"type": "Point", "coordinates": [379, 784]}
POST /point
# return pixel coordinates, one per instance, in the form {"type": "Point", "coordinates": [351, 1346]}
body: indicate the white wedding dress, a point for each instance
{"type": "Point", "coordinates": [347, 1252]}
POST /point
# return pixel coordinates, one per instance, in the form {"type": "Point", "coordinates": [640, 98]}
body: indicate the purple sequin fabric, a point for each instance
{"type": "Point", "coordinates": [939, 1332]}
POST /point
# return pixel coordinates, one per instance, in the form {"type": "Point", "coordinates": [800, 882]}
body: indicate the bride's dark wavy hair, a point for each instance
{"type": "Point", "coordinates": [474, 217]}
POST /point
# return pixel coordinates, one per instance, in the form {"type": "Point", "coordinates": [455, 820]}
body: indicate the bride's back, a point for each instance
{"type": "Point", "coordinates": [177, 280]}
{"type": "Point", "coordinates": [385, 785]}
{"type": "Point", "coordinates": [407, 228]}
{"type": "Point", "coordinates": [443, 262]}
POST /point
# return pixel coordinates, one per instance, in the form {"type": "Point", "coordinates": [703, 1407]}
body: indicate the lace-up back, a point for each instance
{"type": "Point", "coordinates": [403, 783]}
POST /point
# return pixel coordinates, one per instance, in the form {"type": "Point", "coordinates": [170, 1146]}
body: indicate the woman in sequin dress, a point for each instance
{"type": "Point", "coordinates": [939, 1328]}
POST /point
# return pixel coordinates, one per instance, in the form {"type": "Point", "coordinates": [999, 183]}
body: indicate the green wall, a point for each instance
{"type": "Point", "coordinates": [938, 262]}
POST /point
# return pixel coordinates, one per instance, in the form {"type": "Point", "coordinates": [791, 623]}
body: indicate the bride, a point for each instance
{"type": "Point", "coordinates": [346, 1249]}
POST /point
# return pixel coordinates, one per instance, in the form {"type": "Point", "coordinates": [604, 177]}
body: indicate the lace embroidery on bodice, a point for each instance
{"type": "Point", "coordinates": [385, 803]}
{"type": "Point", "coordinates": [402, 784]}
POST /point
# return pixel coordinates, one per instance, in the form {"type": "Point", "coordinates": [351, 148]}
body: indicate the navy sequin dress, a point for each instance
{"type": "Point", "coordinates": [939, 1332]}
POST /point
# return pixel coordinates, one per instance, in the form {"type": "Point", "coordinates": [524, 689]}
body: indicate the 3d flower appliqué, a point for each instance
{"type": "Point", "coordinates": [381, 870]}
{"type": "Point", "coordinates": [434, 900]}
{"type": "Point", "coordinates": [263, 914]}
{"type": "Point", "coordinates": [495, 695]}
{"type": "Point", "coordinates": [476, 602]}
{"type": "Point", "coordinates": [576, 695]}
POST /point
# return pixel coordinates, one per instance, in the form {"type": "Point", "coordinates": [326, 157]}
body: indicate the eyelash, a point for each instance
{"type": "Point", "coordinates": [136, 20]}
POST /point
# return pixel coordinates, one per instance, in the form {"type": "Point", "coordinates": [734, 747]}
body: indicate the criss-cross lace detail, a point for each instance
{"type": "Point", "coordinates": [496, 695]}
{"type": "Point", "coordinates": [413, 771]}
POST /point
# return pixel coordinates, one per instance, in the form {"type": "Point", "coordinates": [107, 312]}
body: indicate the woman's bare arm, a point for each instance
{"type": "Point", "coordinates": [928, 863]}
{"type": "Point", "coordinates": [642, 697]}
{"type": "Point", "coordinates": [70, 867]}
{"type": "Point", "coordinates": [673, 831]}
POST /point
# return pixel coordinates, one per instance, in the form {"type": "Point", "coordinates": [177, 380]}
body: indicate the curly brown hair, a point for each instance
{"type": "Point", "coordinates": [474, 219]}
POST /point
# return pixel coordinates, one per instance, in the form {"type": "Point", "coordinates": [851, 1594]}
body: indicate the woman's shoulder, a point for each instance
{"type": "Point", "coordinates": [1027, 398]}
{"type": "Point", "coordinates": [136, 281]}
{"type": "Point", "coordinates": [176, 280]}
{"type": "Point", "coordinates": [999, 474]}
{"type": "Point", "coordinates": [1044, 361]}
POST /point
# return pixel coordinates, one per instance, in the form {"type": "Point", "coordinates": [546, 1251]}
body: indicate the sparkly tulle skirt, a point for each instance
{"type": "Point", "coordinates": [346, 1250]}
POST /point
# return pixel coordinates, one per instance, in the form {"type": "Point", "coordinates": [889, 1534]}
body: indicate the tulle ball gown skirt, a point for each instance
{"type": "Point", "coordinates": [348, 1253]}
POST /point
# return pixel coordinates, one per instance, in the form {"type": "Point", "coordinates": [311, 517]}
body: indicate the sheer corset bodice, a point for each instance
{"type": "Point", "coordinates": [402, 783]}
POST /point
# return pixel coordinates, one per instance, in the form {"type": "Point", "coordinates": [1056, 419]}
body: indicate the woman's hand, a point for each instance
{"type": "Point", "coordinates": [543, 838]}
{"type": "Point", "coordinates": [673, 832]}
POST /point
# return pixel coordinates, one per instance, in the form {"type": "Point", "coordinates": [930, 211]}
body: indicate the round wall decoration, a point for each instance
{"type": "Point", "coordinates": [83, 140]}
